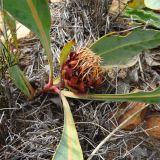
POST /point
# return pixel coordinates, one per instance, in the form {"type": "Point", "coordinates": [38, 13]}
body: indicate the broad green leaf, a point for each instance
{"type": "Point", "coordinates": [69, 147]}
{"type": "Point", "coordinates": [146, 97]}
{"type": "Point", "coordinates": [35, 15]}
{"type": "Point", "coordinates": [119, 50]}
{"type": "Point", "coordinates": [21, 81]}
{"type": "Point", "coordinates": [65, 52]}
{"type": "Point", "coordinates": [145, 16]}
{"type": "Point", "coordinates": [152, 4]}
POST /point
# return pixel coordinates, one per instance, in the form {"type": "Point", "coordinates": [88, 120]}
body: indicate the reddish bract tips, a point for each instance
{"type": "Point", "coordinates": [82, 71]}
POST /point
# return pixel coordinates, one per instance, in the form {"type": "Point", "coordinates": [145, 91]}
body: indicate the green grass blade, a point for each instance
{"type": "Point", "coordinates": [65, 52]}
{"type": "Point", "coordinates": [69, 147]}
{"type": "Point", "coordinates": [57, 80]}
{"type": "Point", "coordinates": [10, 21]}
{"type": "Point", "coordinates": [35, 15]}
{"type": "Point", "coordinates": [146, 97]}
{"type": "Point", "coordinates": [118, 50]}
{"type": "Point", "coordinates": [21, 81]}
{"type": "Point", "coordinates": [148, 17]}
{"type": "Point", "coordinates": [12, 36]}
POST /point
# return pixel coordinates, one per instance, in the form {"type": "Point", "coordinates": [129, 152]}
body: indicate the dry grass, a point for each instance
{"type": "Point", "coordinates": [31, 130]}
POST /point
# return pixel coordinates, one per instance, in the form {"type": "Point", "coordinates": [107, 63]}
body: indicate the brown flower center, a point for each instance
{"type": "Point", "coordinates": [82, 71]}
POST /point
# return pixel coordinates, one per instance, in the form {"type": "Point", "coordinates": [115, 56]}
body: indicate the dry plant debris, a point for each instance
{"type": "Point", "coordinates": [118, 6]}
{"type": "Point", "coordinates": [31, 130]}
{"type": "Point", "coordinates": [153, 126]}
{"type": "Point", "coordinates": [128, 110]}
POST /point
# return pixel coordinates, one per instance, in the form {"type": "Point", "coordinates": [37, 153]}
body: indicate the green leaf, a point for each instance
{"type": "Point", "coordinates": [35, 15]}
{"type": "Point", "coordinates": [146, 97]}
{"type": "Point", "coordinates": [152, 4]}
{"type": "Point", "coordinates": [57, 80]}
{"type": "Point", "coordinates": [12, 36]}
{"type": "Point", "coordinates": [65, 52]}
{"type": "Point", "coordinates": [10, 21]}
{"type": "Point", "coordinates": [118, 50]}
{"type": "Point", "coordinates": [145, 16]}
{"type": "Point", "coordinates": [69, 147]}
{"type": "Point", "coordinates": [21, 81]}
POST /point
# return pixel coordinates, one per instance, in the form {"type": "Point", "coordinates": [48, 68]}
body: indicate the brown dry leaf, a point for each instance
{"type": "Point", "coordinates": [153, 126]}
{"type": "Point", "coordinates": [136, 4]}
{"type": "Point", "coordinates": [118, 6]}
{"type": "Point", "coordinates": [153, 57]}
{"type": "Point", "coordinates": [137, 119]}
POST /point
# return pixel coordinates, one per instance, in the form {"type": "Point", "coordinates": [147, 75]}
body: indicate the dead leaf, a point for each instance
{"type": "Point", "coordinates": [153, 126]}
{"type": "Point", "coordinates": [136, 4]}
{"type": "Point", "coordinates": [153, 58]}
{"type": "Point", "coordinates": [118, 6]}
{"type": "Point", "coordinates": [131, 109]}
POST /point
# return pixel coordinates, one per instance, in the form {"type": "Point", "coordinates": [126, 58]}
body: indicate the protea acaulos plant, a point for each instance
{"type": "Point", "coordinates": [82, 71]}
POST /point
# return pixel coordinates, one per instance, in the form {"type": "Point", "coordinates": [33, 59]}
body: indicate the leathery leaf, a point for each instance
{"type": "Point", "coordinates": [119, 50]}
{"type": "Point", "coordinates": [69, 147]}
{"type": "Point", "coordinates": [35, 15]}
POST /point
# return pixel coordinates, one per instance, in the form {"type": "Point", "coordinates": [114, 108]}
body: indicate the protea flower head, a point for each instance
{"type": "Point", "coordinates": [82, 71]}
